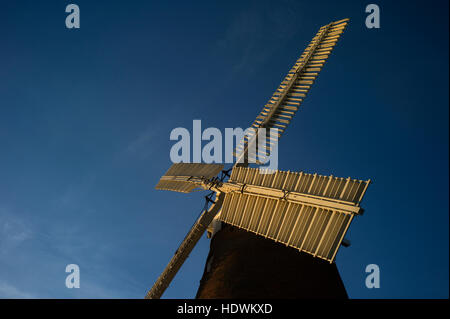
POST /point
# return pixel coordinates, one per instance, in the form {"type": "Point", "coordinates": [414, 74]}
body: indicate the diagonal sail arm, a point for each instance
{"type": "Point", "coordinates": [185, 249]}
{"type": "Point", "coordinates": [285, 102]}
{"type": "Point", "coordinates": [291, 79]}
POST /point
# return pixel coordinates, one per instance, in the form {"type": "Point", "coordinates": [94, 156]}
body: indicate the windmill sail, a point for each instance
{"type": "Point", "coordinates": [286, 100]}
{"type": "Point", "coordinates": [185, 177]}
{"type": "Point", "coordinates": [309, 212]}
{"type": "Point", "coordinates": [184, 249]}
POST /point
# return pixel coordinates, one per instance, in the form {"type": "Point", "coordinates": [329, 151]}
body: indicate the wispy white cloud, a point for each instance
{"type": "Point", "coordinates": [142, 141]}
{"type": "Point", "coordinates": [9, 291]}
{"type": "Point", "coordinates": [13, 231]}
{"type": "Point", "coordinates": [256, 32]}
{"type": "Point", "coordinates": [143, 145]}
{"type": "Point", "coordinates": [52, 250]}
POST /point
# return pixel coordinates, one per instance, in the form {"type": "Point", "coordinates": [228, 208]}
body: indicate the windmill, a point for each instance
{"type": "Point", "coordinates": [308, 212]}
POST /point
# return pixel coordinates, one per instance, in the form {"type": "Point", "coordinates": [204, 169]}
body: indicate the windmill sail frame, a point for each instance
{"type": "Point", "coordinates": [308, 212]}
{"type": "Point", "coordinates": [186, 177]}
{"type": "Point", "coordinates": [286, 100]}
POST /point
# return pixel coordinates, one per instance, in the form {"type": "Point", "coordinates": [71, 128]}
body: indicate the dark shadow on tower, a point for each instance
{"type": "Point", "coordinates": [243, 265]}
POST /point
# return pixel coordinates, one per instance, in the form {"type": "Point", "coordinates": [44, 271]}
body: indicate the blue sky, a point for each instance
{"type": "Point", "coordinates": [85, 118]}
